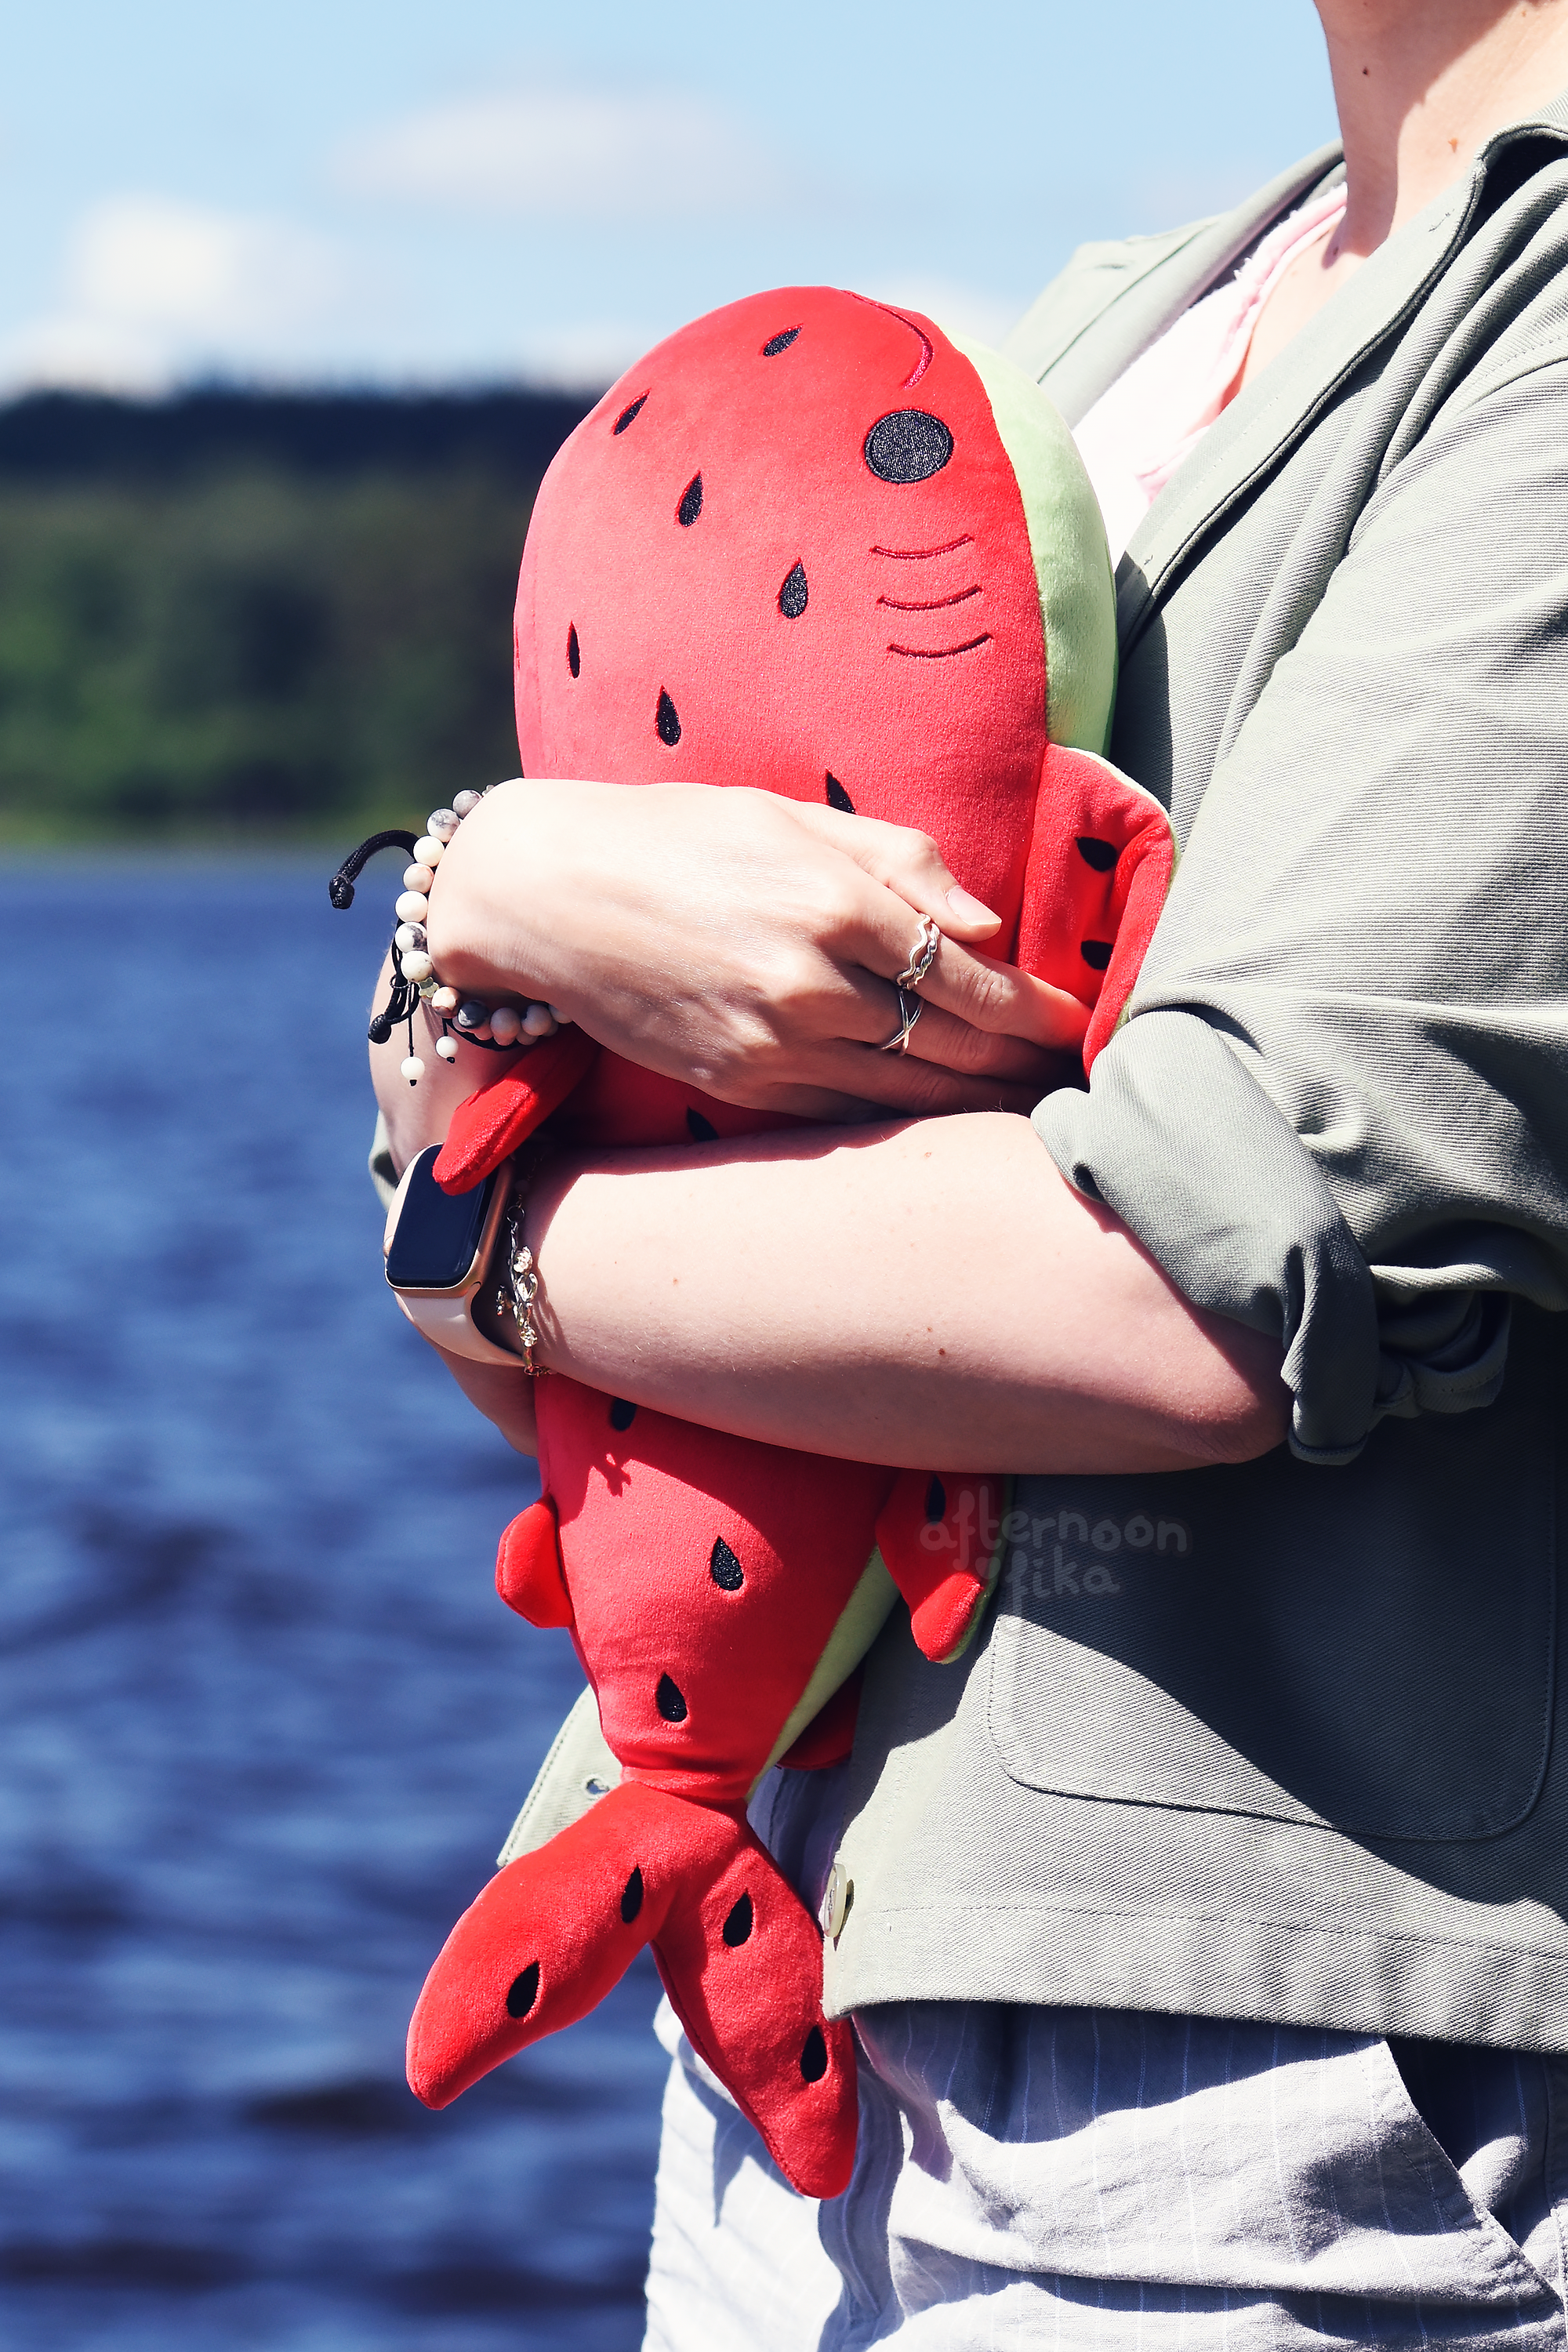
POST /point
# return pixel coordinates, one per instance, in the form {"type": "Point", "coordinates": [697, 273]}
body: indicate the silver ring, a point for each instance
{"type": "Point", "coordinates": [922, 955]}
{"type": "Point", "coordinates": [909, 1011]}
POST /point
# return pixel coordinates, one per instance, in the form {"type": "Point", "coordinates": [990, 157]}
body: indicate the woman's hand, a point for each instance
{"type": "Point", "coordinates": [744, 944]}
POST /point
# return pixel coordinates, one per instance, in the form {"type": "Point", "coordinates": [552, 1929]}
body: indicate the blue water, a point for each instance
{"type": "Point", "coordinates": [265, 1723]}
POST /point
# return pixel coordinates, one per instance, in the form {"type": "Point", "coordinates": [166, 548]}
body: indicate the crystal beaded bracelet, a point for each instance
{"type": "Point", "coordinates": [415, 981]}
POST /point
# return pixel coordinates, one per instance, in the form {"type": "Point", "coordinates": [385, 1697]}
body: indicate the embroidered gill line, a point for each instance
{"type": "Point", "coordinates": [917, 653]}
{"type": "Point", "coordinates": [936, 604]}
{"type": "Point", "coordinates": [924, 555]}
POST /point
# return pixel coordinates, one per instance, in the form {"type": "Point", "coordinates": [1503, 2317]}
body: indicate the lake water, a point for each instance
{"type": "Point", "coordinates": [265, 1722]}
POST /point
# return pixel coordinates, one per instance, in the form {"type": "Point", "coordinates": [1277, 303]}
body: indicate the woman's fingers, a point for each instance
{"type": "Point", "coordinates": [905, 861]}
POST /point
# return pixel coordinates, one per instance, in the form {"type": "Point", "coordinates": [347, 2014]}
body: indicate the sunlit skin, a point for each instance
{"type": "Point", "coordinates": [893, 1292]}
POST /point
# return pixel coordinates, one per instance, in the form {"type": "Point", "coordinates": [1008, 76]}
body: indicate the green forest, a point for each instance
{"type": "Point", "coordinates": [252, 631]}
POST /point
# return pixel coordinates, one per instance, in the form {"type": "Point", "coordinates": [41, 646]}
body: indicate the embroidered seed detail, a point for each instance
{"type": "Point", "coordinates": [738, 1926]}
{"type": "Point", "coordinates": [574, 656]}
{"type": "Point", "coordinates": [622, 1415]}
{"type": "Point", "coordinates": [793, 595]}
{"type": "Point", "coordinates": [1100, 855]}
{"type": "Point", "coordinates": [691, 506]}
{"type": "Point", "coordinates": [837, 797]}
{"type": "Point", "coordinates": [667, 720]}
{"type": "Point", "coordinates": [631, 1896]}
{"type": "Point", "coordinates": [725, 1568]}
{"type": "Point", "coordinates": [700, 1130]}
{"type": "Point", "coordinates": [936, 1501]}
{"type": "Point", "coordinates": [814, 2057]}
{"type": "Point", "coordinates": [780, 342]}
{"type": "Point", "coordinates": [1096, 953]}
{"type": "Point", "coordinates": [668, 1701]}
{"type": "Point", "coordinates": [524, 1991]}
{"type": "Point", "coordinates": [627, 414]}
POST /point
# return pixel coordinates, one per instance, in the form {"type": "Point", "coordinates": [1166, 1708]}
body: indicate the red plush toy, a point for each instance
{"type": "Point", "coordinates": [809, 544]}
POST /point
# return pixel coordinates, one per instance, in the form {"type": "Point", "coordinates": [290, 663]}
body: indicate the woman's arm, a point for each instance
{"type": "Point", "coordinates": [932, 1294]}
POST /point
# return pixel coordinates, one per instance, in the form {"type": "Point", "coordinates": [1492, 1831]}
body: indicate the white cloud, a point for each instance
{"type": "Point", "coordinates": [153, 290]}
{"type": "Point", "coordinates": [556, 149]}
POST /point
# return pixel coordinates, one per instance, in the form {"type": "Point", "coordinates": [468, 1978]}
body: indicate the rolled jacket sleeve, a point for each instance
{"type": "Point", "coordinates": [1338, 1110]}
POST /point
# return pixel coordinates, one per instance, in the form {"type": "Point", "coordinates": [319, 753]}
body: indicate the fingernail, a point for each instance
{"type": "Point", "coordinates": [968, 909]}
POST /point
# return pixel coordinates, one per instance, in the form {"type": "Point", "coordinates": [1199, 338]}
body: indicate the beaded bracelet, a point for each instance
{"type": "Point", "coordinates": [499, 1028]}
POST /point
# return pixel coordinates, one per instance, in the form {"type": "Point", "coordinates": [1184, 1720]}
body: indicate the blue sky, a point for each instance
{"type": "Point", "coordinates": [323, 190]}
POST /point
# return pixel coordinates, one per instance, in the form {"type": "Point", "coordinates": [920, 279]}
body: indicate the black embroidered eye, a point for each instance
{"type": "Point", "coordinates": [837, 797]}
{"type": "Point", "coordinates": [910, 446]}
{"type": "Point", "coordinates": [631, 1896]}
{"type": "Point", "coordinates": [780, 342]}
{"type": "Point", "coordinates": [691, 506]}
{"type": "Point", "coordinates": [667, 720]}
{"type": "Point", "coordinates": [627, 414]}
{"type": "Point", "coordinates": [574, 656]}
{"type": "Point", "coordinates": [725, 1568]}
{"type": "Point", "coordinates": [793, 595]}
{"type": "Point", "coordinates": [668, 1701]}
{"type": "Point", "coordinates": [524, 1991]}
{"type": "Point", "coordinates": [738, 1926]}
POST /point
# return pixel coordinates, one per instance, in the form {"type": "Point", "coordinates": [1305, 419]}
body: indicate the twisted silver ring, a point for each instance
{"type": "Point", "coordinates": [909, 1011]}
{"type": "Point", "coordinates": [922, 955]}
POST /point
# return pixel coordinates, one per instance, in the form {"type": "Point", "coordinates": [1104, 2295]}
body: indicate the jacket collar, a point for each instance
{"type": "Point", "coordinates": [1281, 403]}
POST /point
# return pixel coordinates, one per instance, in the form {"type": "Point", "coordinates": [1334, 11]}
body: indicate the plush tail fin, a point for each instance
{"type": "Point", "coordinates": [487, 1128]}
{"type": "Point", "coordinates": [938, 1538]}
{"type": "Point", "coordinates": [741, 1961]}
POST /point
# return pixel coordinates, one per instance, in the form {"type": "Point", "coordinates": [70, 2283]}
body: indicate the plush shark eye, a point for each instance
{"type": "Point", "coordinates": [780, 342]}
{"type": "Point", "coordinates": [909, 446]}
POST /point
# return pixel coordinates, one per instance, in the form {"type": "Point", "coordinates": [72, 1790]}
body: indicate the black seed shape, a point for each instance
{"type": "Point", "coordinates": [837, 797]}
{"type": "Point", "coordinates": [780, 342]}
{"type": "Point", "coordinates": [814, 2056]}
{"type": "Point", "coordinates": [524, 1991]}
{"type": "Point", "coordinates": [936, 1501]}
{"type": "Point", "coordinates": [668, 1701]}
{"type": "Point", "coordinates": [621, 1413]}
{"type": "Point", "coordinates": [793, 595]}
{"type": "Point", "coordinates": [700, 1130]}
{"type": "Point", "coordinates": [667, 719]}
{"type": "Point", "coordinates": [738, 1926]}
{"type": "Point", "coordinates": [631, 1896]}
{"type": "Point", "coordinates": [910, 446]}
{"type": "Point", "coordinates": [691, 506]}
{"type": "Point", "coordinates": [1096, 953]}
{"type": "Point", "coordinates": [1100, 855]}
{"type": "Point", "coordinates": [627, 414]}
{"type": "Point", "coordinates": [725, 1568]}
{"type": "Point", "coordinates": [574, 656]}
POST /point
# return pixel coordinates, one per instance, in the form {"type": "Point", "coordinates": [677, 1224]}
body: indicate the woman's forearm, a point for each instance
{"type": "Point", "coordinates": [932, 1296]}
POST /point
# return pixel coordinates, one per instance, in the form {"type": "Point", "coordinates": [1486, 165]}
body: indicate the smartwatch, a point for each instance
{"type": "Point", "coordinates": [439, 1246]}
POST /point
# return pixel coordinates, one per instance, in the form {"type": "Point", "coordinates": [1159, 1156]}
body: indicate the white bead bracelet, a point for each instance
{"type": "Point", "coordinates": [415, 981]}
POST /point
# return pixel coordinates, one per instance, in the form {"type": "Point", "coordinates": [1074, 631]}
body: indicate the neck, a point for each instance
{"type": "Point", "coordinates": [1421, 85]}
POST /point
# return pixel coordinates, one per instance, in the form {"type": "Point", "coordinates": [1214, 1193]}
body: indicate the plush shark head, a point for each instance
{"type": "Point", "coordinates": [814, 544]}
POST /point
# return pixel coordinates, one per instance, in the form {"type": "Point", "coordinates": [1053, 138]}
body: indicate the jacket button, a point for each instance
{"type": "Point", "coordinates": [835, 1900]}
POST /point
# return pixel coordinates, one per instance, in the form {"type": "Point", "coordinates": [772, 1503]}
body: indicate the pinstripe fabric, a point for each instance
{"type": "Point", "coordinates": [1104, 2178]}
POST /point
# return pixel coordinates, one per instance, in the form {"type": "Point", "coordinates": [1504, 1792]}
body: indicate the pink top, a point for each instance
{"type": "Point", "coordinates": [1158, 410]}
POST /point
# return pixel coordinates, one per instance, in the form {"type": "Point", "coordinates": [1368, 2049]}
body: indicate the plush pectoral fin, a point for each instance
{"type": "Point", "coordinates": [489, 1126]}
{"type": "Point", "coordinates": [530, 1577]}
{"type": "Point", "coordinates": [940, 1538]}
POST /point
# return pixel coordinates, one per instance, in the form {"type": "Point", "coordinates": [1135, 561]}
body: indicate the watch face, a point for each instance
{"type": "Point", "coordinates": [438, 1233]}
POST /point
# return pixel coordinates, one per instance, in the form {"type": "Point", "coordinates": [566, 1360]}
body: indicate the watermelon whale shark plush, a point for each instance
{"type": "Point", "coordinates": [810, 544]}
